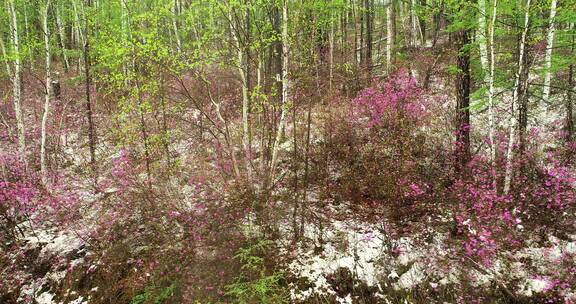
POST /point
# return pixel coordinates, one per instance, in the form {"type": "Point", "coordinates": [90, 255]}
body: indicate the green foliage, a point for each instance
{"type": "Point", "coordinates": [453, 69]}
{"type": "Point", "coordinates": [255, 284]}
{"type": "Point", "coordinates": [154, 295]}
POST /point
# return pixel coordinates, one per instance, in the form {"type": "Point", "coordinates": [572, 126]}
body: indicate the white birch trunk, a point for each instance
{"type": "Point", "coordinates": [509, 153]}
{"type": "Point", "coordinates": [77, 26]}
{"type": "Point", "coordinates": [62, 34]}
{"type": "Point", "coordinates": [548, 58]}
{"type": "Point", "coordinates": [491, 88]}
{"type": "Point", "coordinates": [481, 37]}
{"type": "Point", "coordinates": [389, 34]}
{"type": "Point", "coordinates": [414, 28]}
{"type": "Point", "coordinates": [175, 26]}
{"type": "Point", "coordinates": [77, 30]}
{"type": "Point", "coordinates": [16, 80]}
{"type": "Point", "coordinates": [43, 166]}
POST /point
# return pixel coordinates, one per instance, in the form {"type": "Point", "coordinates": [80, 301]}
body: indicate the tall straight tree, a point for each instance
{"type": "Point", "coordinates": [17, 79]}
{"type": "Point", "coordinates": [463, 99]}
{"type": "Point", "coordinates": [62, 37]}
{"type": "Point", "coordinates": [285, 89]}
{"type": "Point", "coordinates": [390, 34]}
{"type": "Point", "coordinates": [481, 38]}
{"type": "Point", "coordinates": [523, 92]}
{"type": "Point", "coordinates": [77, 31]}
{"type": "Point", "coordinates": [549, 47]}
{"type": "Point", "coordinates": [569, 125]}
{"type": "Point", "coordinates": [415, 31]}
{"type": "Point", "coordinates": [243, 51]}
{"type": "Point", "coordinates": [175, 14]}
{"type": "Point", "coordinates": [88, 80]}
{"type": "Point", "coordinates": [491, 47]}
{"type": "Point", "coordinates": [515, 96]}
{"type": "Point", "coordinates": [47, 91]}
{"type": "Point", "coordinates": [369, 17]}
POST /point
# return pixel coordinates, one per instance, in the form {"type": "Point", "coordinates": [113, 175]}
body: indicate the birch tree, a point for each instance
{"type": "Point", "coordinates": [491, 84]}
{"type": "Point", "coordinates": [415, 31]}
{"type": "Point", "coordinates": [17, 79]}
{"type": "Point", "coordinates": [47, 93]}
{"type": "Point", "coordinates": [88, 79]}
{"type": "Point", "coordinates": [390, 32]}
{"type": "Point", "coordinates": [512, 120]}
{"type": "Point", "coordinates": [549, 47]}
{"type": "Point", "coordinates": [481, 37]}
{"type": "Point", "coordinates": [62, 37]}
{"type": "Point", "coordinates": [569, 125]}
{"type": "Point", "coordinates": [77, 30]}
{"type": "Point", "coordinates": [175, 14]}
{"type": "Point", "coordinates": [244, 71]}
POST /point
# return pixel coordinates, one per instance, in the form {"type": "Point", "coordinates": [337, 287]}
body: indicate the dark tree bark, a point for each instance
{"type": "Point", "coordinates": [89, 114]}
{"type": "Point", "coordinates": [462, 100]}
{"type": "Point", "coordinates": [570, 106]}
{"type": "Point", "coordinates": [362, 33]}
{"type": "Point", "coordinates": [523, 98]}
{"type": "Point", "coordinates": [368, 4]}
{"type": "Point", "coordinates": [569, 127]}
{"type": "Point", "coordinates": [423, 23]}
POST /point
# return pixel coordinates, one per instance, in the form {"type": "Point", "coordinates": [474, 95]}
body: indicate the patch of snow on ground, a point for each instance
{"type": "Point", "coordinates": [79, 300]}
{"type": "Point", "coordinates": [61, 245]}
{"type": "Point", "coordinates": [353, 248]}
{"type": "Point", "coordinates": [532, 286]}
{"type": "Point", "coordinates": [364, 252]}
{"type": "Point", "coordinates": [45, 298]}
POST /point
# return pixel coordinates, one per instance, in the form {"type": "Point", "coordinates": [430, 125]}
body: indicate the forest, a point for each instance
{"type": "Point", "coordinates": [287, 151]}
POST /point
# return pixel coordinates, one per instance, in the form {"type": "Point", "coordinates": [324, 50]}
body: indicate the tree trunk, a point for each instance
{"type": "Point", "coordinates": [369, 29]}
{"type": "Point", "coordinates": [517, 88]}
{"type": "Point", "coordinates": [144, 131]}
{"type": "Point", "coordinates": [361, 50]}
{"type": "Point", "coordinates": [523, 99]}
{"type": "Point", "coordinates": [481, 38]}
{"type": "Point", "coordinates": [570, 105]}
{"type": "Point", "coordinates": [390, 32]}
{"type": "Point", "coordinates": [463, 101]}
{"type": "Point", "coordinates": [78, 31]}
{"type": "Point", "coordinates": [17, 81]}
{"type": "Point", "coordinates": [569, 96]}
{"type": "Point", "coordinates": [548, 58]}
{"type": "Point", "coordinates": [331, 53]}
{"type": "Point", "coordinates": [175, 25]}
{"type": "Point", "coordinates": [285, 89]}
{"type": "Point", "coordinates": [43, 165]}
{"type": "Point", "coordinates": [355, 53]}
{"type": "Point", "coordinates": [491, 88]}
{"type": "Point", "coordinates": [62, 37]}
{"type": "Point", "coordinates": [414, 24]}
{"type": "Point", "coordinates": [89, 114]}
{"type": "Point", "coordinates": [244, 70]}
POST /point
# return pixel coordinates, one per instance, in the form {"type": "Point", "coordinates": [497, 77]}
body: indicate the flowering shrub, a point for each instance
{"type": "Point", "coordinates": [388, 103]}
{"type": "Point", "coordinates": [379, 152]}
{"type": "Point", "coordinates": [19, 192]}
{"type": "Point", "coordinates": [540, 203]}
